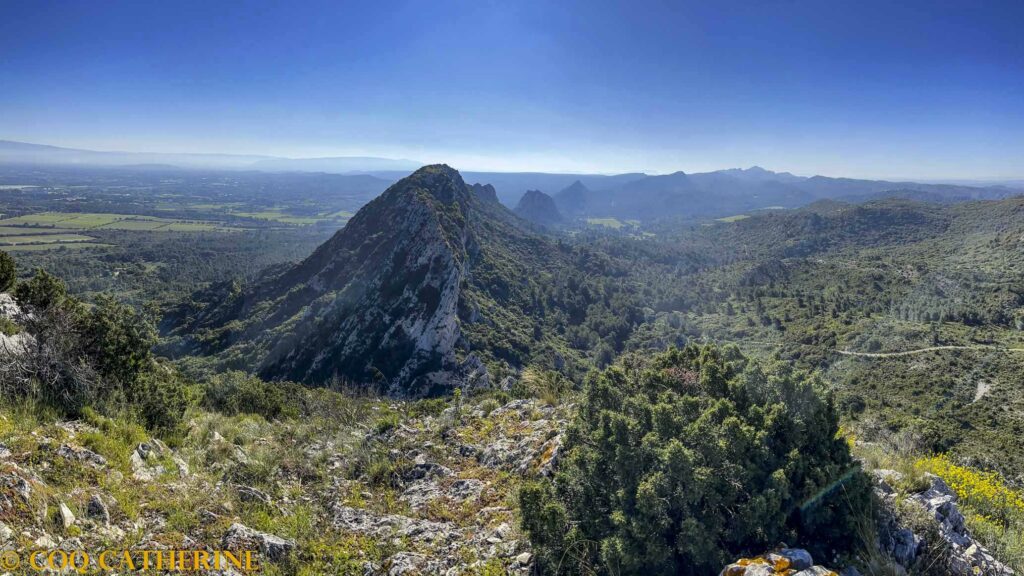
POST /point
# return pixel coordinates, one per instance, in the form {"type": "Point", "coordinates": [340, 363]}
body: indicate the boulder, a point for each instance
{"type": "Point", "coordinates": [406, 563]}
{"type": "Point", "coordinates": [759, 570]}
{"type": "Point", "coordinates": [241, 537]}
{"type": "Point", "coordinates": [97, 510]}
{"type": "Point", "coordinates": [141, 459]}
{"type": "Point", "coordinates": [83, 455]}
{"type": "Point", "coordinates": [250, 494]}
{"type": "Point", "coordinates": [966, 556]}
{"type": "Point", "coordinates": [798, 558]}
{"type": "Point", "coordinates": [67, 518]}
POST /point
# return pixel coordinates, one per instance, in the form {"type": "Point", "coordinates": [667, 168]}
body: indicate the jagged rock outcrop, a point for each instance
{"type": "Point", "coordinates": [385, 302]}
{"type": "Point", "coordinates": [965, 556]}
{"type": "Point", "coordinates": [485, 192]}
{"type": "Point", "coordinates": [539, 208]}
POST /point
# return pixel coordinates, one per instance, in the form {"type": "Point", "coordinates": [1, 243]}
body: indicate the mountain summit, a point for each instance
{"type": "Point", "coordinates": [392, 300]}
{"type": "Point", "coordinates": [539, 208]}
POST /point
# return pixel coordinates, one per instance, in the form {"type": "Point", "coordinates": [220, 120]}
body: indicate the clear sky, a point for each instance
{"type": "Point", "coordinates": [922, 89]}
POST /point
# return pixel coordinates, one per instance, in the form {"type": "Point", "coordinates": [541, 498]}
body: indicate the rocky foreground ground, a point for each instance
{"type": "Point", "coordinates": [377, 489]}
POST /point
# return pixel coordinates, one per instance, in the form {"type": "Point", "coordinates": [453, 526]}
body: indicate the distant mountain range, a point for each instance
{"type": "Point", "coordinates": [734, 191]}
{"type": "Point", "coordinates": [625, 196]}
{"type": "Point", "coordinates": [25, 153]}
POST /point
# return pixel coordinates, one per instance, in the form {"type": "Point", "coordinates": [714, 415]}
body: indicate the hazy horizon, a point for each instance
{"type": "Point", "coordinates": [920, 91]}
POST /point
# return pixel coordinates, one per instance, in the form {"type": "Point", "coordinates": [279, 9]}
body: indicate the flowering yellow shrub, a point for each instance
{"type": "Point", "coordinates": [984, 492]}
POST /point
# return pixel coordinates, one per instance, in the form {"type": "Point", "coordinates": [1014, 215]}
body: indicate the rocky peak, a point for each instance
{"type": "Point", "coordinates": [380, 304]}
{"type": "Point", "coordinates": [539, 208]}
{"type": "Point", "coordinates": [485, 192]}
{"type": "Point", "coordinates": [574, 199]}
{"type": "Point", "coordinates": [440, 180]}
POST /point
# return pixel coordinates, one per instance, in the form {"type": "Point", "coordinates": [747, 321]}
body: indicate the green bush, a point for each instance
{"type": "Point", "coordinates": [427, 407]}
{"type": "Point", "coordinates": [8, 272]}
{"type": "Point", "coordinates": [236, 392]}
{"type": "Point", "coordinates": [386, 423]}
{"type": "Point", "coordinates": [42, 291]}
{"type": "Point", "coordinates": [677, 463]}
{"type": "Point", "coordinates": [8, 327]}
{"type": "Point", "coordinates": [118, 339]}
{"type": "Point", "coordinates": [162, 401]}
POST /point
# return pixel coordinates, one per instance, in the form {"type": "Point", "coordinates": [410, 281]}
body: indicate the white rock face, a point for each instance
{"type": "Point", "coordinates": [9, 308]}
{"type": "Point", "coordinates": [21, 342]}
{"type": "Point", "coordinates": [966, 556]}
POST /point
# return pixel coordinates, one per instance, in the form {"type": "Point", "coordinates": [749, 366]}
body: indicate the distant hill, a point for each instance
{"type": "Point", "coordinates": [339, 164]}
{"type": "Point", "coordinates": [735, 191]}
{"type": "Point", "coordinates": [510, 186]}
{"type": "Point", "coordinates": [539, 208]}
{"type": "Point", "coordinates": [25, 153]}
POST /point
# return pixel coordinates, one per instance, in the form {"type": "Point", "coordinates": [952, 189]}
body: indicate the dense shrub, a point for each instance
{"type": "Point", "coordinates": [42, 291]}
{"type": "Point", "coordinates": [97, 357]}
{"type": "Point", "coordinates": [8, 272]}
{"type": "Point", "coordinates": [677, 463]}
{"type": "Point", "coordinates": [236, 392]}
{"type": "Point", "coordinates": [162, 400]}
{"type": "Point", "coordinates": [118, 339]}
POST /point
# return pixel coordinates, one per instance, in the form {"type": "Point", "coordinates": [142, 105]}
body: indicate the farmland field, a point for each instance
{"type": "Point", "coordinates": [277, 216]}
{"type": "Point", "coordinates": [65, 245]}
{"type": "Point", "coordinates": [43, 239]}
{"type": "Point", "coordinates": [21, 231]}
{"type": "Point", "coordinates": [87, 221]}
{"type": "Point", "coordinates": [613, 223]}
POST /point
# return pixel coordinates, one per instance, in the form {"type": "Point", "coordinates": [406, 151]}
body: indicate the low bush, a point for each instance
{"type": "Point", "coordinates": [236, 392]}
{"type": "Point", "coordinates": [41, 292]}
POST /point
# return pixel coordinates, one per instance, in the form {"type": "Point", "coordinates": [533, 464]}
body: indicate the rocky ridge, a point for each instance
{"type": "Point", "coordinates": [404, 299]}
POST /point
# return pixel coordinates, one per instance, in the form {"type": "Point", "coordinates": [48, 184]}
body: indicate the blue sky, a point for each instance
{"type": "Point", "coordinates": [922, 89]}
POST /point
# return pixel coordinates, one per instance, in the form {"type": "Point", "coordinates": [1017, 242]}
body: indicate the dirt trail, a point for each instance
{"type": "Point", "coordinates": [928, 349]}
